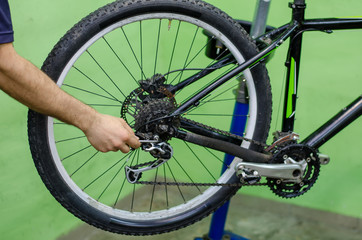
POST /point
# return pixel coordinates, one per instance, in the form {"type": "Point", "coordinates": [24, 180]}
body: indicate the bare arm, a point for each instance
{"type": "Point", "coordinates": [30, 86]}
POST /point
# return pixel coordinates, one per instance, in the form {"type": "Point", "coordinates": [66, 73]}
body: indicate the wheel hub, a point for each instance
{"type": "Point", "coordinates": [146, 109]}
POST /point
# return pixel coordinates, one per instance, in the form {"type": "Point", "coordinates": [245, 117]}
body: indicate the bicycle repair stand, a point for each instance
{"type": "Point", "coordinates": [238, 123]}
{"type": "Point", "coordinates": [241, 110]}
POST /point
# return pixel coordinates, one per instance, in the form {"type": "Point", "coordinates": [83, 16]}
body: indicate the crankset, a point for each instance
{"type": "Point", "coordinates": [290, 170]}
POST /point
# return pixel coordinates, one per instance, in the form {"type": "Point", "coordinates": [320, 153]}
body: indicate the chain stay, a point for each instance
{"type": "Point", "coordinates": [225, 133]}
{"type": "Point", "coordinates": [171, 96]}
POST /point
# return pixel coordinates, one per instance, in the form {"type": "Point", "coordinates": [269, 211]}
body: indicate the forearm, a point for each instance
{"type": "Point", "coordinates": [30, 86]}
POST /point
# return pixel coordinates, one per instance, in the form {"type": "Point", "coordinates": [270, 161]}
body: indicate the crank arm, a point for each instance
{"type": "Point", "coordinates": [286, 171]}
{"type": "Point", "coordinates": [235, 150]}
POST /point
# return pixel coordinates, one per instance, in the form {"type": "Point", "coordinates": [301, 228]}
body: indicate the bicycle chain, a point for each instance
{"type": "Point", "coordinates": [192, 184]}
{"type": "Point", "coordinates": [200, 184]}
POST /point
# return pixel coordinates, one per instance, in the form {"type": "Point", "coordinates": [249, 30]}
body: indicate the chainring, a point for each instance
{"type": "Point", "coordinates": [298, 152]}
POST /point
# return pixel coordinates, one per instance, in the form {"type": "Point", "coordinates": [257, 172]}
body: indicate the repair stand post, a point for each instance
{"type": "Point", "coordinates": [238, 123]}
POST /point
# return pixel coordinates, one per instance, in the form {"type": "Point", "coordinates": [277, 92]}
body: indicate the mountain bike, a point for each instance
{"type": "Point", "coordinates": [180, 72]}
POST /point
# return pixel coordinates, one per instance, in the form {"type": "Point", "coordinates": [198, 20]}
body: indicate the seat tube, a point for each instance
{"type": "Point", "coordinates": [293, 65]}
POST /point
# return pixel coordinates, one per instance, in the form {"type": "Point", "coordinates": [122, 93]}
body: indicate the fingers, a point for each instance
{"type": "Point", "coordinates": [132, 140]}
{"type": "Point", "coordinates": [126, 126]}
{"type": "Point", "coordinates": [125, 142]}
{"type": "Point", "coordinates": [126, 139]}
{"type": "Point", "coordinates": [110, 133]}
{"type": "Point", "coordinates": [124, 148]}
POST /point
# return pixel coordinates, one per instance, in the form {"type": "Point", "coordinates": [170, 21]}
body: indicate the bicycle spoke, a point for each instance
{"type": "Point", "coordinates": [133, 194]}
{"type": "Point", "coordinates": [173, 176]}
{"type": "Point", "coordinates": [87, 51]}
{"type": "Point", "coordinates": [197, 157]}
{"type": "Point", "coordinates": [94, 82]}
{"type": "Point", "coordinates": [207, 100]}
{"type": "Point", "coordinates": [61, 123]}
{"type": "Point", "coordinates": [106, 171]}
{"type": "Point", "coordinates": [134, 185]}
{"type": "Point", "coordinates": [119, 59]}
{"type": "Point", "coordinates": [119, 192]}
{"type": "Point", "coordinates": [213, 154]}
{"type": "Point", "coordinates": [226, 90]}
{"type": "Point", "coordinates": [153, 190]}
{"type": "Point", "coordinates": [141, 48]}
{"type": "Point", "coordinates": [110, 182]}
{"type": "Point", "coordinates": [69, 139]}
{"type": "Point", "coordinates": [134, 54]}
{"type": "Point", "coordinates": [219, 100]}
{"type": "Point", "coordinates": [188, 54]}
{"type": "Point", "coordinates": [174, 47]}
{"type": "Point", "coordinates": [208, 66]}
{"type": "Point", "coordinates": [71, 155]}
{"type": "Point", "coordinates": [220, 75]}
{"type": "Point", "coordinates": [86, 162]}
{"type": "Point", "coordinates": [164, 175]}
{"type": "Point", "coordinates": [158, 42]}
{"type": "Point", "coordinates": [92, 93]}
{"type": "Point", "coordinates": [186, 173]}
{"type": "Point", "coordinates": [197, 54]}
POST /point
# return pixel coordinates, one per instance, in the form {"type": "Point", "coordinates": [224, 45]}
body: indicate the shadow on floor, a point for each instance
{"type": "Point", "coordinates": [255, 219]}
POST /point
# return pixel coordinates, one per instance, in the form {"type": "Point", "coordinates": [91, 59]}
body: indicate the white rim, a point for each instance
{"type": "Point", "coordinates": [193, 202]}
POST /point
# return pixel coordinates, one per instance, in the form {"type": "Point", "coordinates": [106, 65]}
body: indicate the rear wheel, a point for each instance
{"type": "Point", "coordinates": [101, 61]}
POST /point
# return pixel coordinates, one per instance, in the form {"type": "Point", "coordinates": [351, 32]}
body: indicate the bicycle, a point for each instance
{"type": "Point", "coordinates": [181, 108]}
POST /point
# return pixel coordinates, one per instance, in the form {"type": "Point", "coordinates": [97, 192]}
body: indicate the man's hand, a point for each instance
{"type": "Point", "coordinates": [108, 133]}
{"type": "Point", "coordinates": [30, 86]}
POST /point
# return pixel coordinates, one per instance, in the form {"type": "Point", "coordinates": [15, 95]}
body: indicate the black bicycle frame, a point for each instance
{"type": "Point", "coordinates": [294, 54]}
{"type": "Point", "coordinates": [294, 31]}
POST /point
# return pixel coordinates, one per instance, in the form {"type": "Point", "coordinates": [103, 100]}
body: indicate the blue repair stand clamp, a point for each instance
{"type": "Point", "coordinates": [238, 123]}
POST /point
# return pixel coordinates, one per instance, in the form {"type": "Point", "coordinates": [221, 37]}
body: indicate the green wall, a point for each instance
{"type": "Point", "coordinates": [28, 211]}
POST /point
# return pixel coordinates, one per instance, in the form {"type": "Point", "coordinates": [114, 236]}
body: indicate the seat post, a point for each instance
{"type": "Point", "coordinates": [299, 2]}
{"type": "Point", "coordinates": [298, 7]}
{"type": "Point", "coordinates": [260, 17]}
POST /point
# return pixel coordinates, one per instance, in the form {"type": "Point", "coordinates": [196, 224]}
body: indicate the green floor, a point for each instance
{"type": "Point", "coordinates": [255, 219]}
{"type": "Point", "coordinates": [329, 82]}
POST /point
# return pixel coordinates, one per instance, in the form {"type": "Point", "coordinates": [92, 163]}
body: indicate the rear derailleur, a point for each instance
{"type": "Point", "coordinates": [162, 151]}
